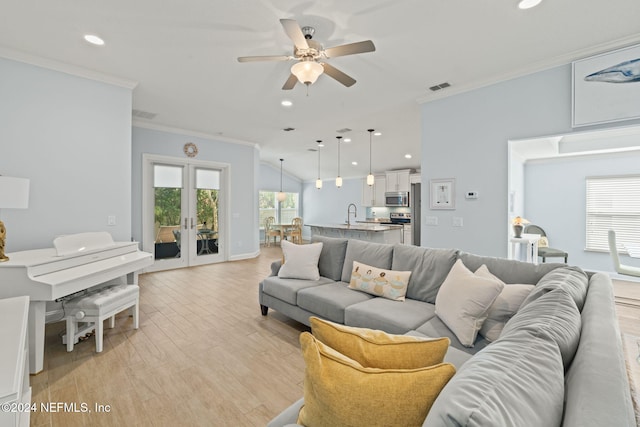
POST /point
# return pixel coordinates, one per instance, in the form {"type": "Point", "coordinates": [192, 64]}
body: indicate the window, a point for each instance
{"type": "Point", "coordinates": [613, 202]}
{"type": "Point", "coordinates": [283, 212]}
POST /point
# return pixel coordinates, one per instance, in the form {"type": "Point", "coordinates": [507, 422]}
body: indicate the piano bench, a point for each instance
{"type": "Point", "coordinates": [96, 307]}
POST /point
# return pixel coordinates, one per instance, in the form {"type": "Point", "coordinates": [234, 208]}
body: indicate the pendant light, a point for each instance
{"type": "Point", "coordinates": [281, 196]}
{"type": "Point", "coordinates": [319, 181]}
{"type": "Point", "coordinates": [370, 178]}
{"type": "Point", "coordinates": [339, 178]}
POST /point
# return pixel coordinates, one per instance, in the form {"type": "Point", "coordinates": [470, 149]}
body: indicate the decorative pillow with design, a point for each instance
{"type": "Point", "coordinates": [463, 302]}
{"type": "Point", "coordinates": [380, 282]}
{"type": "Point", "coordinates": [377, 349]}
{"type": "Point", "coordinates": [300, 261]}
{"type": "Point", "coordinates": [504, 307]}
{"type": "Point", "coordinates": [340, 391]}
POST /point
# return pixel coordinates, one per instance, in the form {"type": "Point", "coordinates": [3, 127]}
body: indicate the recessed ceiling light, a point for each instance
{"type": "Point", "coordinates": [93, 39]}
{"type": "Point", "coordinates": [286, 103]}
{"type": "Point", "coordinates": [407, 156]}
{"type": "Point", "coordinates": [347, 140]}
{"type": "Point", "coordinates": [378, 133]}
{"type": "Point", "coordinates": [354, 163]}
{"type": "Point", "coordinates": [528, 4]}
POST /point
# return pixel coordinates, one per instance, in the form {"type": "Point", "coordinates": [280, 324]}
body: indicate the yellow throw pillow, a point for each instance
{"type": "Point", "coordinates": [380, 282]}
{"type": "Point", "coordinates": [338, 391]}
{"type": "Point", "coordinates": [377, 349]}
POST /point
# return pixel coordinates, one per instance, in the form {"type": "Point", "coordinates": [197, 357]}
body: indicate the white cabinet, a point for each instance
{"type": "Point", "coordinates": [407, 235]}
{"type": "Point", "coordinates": [374, 195]}
{"type": "Point", "coordinates": [398, 180]}
{"type": "Point", "coordinates": [15, 392]}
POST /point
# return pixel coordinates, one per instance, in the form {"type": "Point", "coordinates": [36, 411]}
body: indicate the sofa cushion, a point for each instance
{"type": "Point", "coordinates": [287, 289]}
{"type": "Point", "coordinates": [329, 301]}
{"type": "Point", "coordinates": [509, 271]}
{"type": "Point", "coordinates": [377, 349]}
{"type": "Point", "coordinates": [300, 261]}
{"type": "Point", "coordinates": [389, 316]}
{"type": "Point", "coordinates": [388, 284]}
{"type": "Point", "coordinates": [553, 315]}
{"type": "Point", "coordinates": [429, 269]}
{"type": "Point", "coordinates": [516, 381]}
{"type": "Point", "coordinates": [375, 254]}
{"type": "Point", "coordinates": [571, 279]}
{"type": "Point", "coordinates": [338, 391]}
{"type": "Point", "coordinates": [434, 327]}
{"type": "Point", "coordinates": [463, 301]}
{"type": "Point", "coordinates": [504, 307]}
{"type": "Point", "coordinates": [331, 257]}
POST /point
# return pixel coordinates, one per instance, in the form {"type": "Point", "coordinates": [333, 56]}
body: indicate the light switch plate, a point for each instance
{"type": "Point", "coordinates": [457, 221]}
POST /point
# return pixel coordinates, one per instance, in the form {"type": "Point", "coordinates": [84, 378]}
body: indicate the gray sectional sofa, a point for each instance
{"type": "Point", "coordinates": [558, 360]}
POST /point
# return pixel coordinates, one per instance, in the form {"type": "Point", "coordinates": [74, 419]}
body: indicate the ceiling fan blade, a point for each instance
{"type": "Point", "coordinates": [350, 49]}
{"type": "Point", "coordinates": [294, 32]}
{"type": "Point", "coordinates": [333, 72]}
{"type": "Point", "coordinates": [290, 83]}
{"type": "Point", "coordinates": [264, 58]}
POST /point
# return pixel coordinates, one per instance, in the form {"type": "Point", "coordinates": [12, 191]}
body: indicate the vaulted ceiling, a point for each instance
{"type": "Point", "coordinates": [183, 57]}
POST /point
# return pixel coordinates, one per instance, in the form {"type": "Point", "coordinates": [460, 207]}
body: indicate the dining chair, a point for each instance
{"type": "Point", "coordinates": [295, 231]}
{"type": "Point", "coordinates": [629, 270]}
{"type": "Point", "coordinates": [544, 250]}
{"type": "Point", "coordinates": [270, 231]}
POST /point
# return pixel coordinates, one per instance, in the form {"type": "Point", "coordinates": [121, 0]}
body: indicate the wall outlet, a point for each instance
{"type": "Point", "coordinates": [457, 221]}
{"type": "Point", "coordinates": [111, 220]}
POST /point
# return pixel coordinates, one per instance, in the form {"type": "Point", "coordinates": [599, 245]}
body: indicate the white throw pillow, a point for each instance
{"type": "Point", "coordinates": [388, 284]}
{"type": "Point", "coordinates": [300, 261]}
{"type": "Point", "coordinates": [504, 307]}
{"type": "Point", "coordinates": [463, 302]}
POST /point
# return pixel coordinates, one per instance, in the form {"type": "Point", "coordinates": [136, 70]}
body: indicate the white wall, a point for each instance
{"type": "Point", "coordinates": [465, 137]}
{"type": "Point", "coordinates": [555, 197]}
{"type": "Point", "coordinates": [243, 158]}
{"type": "Point", "coordinates": [71, 137]}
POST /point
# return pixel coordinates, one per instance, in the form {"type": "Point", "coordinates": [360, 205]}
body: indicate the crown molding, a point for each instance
{"type": "Point", "coordinates": [535, 67]}
{"type": "Point", "coordinates": [62, 67]}
{"type": "Point", "coordinates": [196, 134]}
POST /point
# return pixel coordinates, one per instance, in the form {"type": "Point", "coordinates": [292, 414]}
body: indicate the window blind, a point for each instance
{"type": "Point", "coordinates": [613, 202]}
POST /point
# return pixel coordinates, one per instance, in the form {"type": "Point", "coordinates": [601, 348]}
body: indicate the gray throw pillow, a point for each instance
{"type": "Point", "coordinates": [331, 257]}
{"type": "Point", "coordinates": [374, 254]}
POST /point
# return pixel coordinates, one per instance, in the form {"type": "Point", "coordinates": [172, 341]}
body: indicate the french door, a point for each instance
{"type": "Point", "coordinates": [184, 211]}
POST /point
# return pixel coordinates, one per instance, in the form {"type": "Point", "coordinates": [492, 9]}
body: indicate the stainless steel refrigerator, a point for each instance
{"type": "Point", "coordinates": [415, 202]}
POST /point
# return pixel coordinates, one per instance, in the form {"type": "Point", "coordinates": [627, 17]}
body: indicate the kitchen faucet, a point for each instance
{"type": "Point", "coordinates": [355, 213]}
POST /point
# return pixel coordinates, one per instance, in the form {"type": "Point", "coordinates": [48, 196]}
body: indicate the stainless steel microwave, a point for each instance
{"type": "Point", "coordinates": [396, 198]}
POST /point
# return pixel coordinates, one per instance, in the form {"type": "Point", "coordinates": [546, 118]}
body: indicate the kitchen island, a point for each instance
{"type": "Point", "coordinates": [380, 233]}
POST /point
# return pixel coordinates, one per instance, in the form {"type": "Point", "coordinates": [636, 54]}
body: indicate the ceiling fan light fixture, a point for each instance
{"type": "Point", "coordinates": [528, 4]}
{"type": "Point", "coordinates": [307, 71]}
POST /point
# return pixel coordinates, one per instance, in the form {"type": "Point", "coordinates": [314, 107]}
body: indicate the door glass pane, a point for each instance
{"type": "Point", "coordinates": [207, 193]}
{"type": "Point", "coordinates": [167, 181]}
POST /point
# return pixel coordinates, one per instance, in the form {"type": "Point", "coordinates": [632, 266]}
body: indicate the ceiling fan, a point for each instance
{"type": "Point", "coordinates": [311, 55]}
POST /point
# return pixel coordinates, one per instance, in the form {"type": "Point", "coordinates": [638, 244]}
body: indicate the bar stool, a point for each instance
{"type": "Point", "coordinates": [95, 307]}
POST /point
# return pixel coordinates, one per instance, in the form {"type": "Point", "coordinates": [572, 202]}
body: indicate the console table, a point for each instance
{"type": "Point", "coordinates": [531, 242]}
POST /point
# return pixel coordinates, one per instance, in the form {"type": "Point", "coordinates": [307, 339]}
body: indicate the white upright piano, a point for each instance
{"type": "Point", "coordinates": [75, 263]}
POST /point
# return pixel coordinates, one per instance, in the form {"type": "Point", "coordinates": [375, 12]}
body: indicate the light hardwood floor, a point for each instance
{"type": "Point", "coordinates": [203, 356]}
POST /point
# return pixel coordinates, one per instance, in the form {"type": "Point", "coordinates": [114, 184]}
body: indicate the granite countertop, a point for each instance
{"type": "Point", "coordinates": [359, 226]}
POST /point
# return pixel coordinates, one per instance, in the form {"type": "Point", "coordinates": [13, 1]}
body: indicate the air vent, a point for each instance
{"type": "Point", "coordinates": [343, 130]}
{"type": "Point", "coordinates": [288, 129]}
{"type": "Point", "coordinates": [440, 86]}
{"type": "Point", "coordinates": [143, 114]}
{"type": "Point", "coordinates": [312, 149]}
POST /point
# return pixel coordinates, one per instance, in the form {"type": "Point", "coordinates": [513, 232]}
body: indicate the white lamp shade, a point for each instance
{"type": "Point", "coordinates": [370, 179]}
{"type": "Point", "coordinates": [14, 192]}
{"type": "Point", "coordinates": [339, 181]}
{"type": "Point", "coordinates": [281, 196]}
{"type": "Point", "coordinates": [307, 72]}
{"type": "Point", "coordinates": [318, 183]}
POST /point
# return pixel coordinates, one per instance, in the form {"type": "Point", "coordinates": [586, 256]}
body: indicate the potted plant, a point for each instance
{"type": "Point", "coordinates": [518, 226]}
